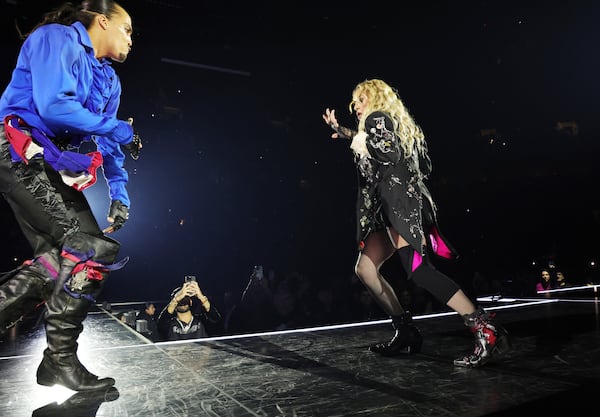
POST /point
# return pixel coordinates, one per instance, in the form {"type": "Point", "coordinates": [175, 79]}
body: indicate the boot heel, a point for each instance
{"type": "Point", "coordinates": [503, 343]}
{"type": "Point", "coordinates": [44, 377]}
{"type": "Point", "coordinates": [406, 341]}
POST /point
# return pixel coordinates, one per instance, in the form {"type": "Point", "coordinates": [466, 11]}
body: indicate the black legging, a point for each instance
{"type": "Point", "coordinates": [427, 277]}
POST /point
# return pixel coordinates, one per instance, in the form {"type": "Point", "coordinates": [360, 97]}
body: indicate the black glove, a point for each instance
{"type": "Point", "coordinates": [117, 215]}
{"type": "Point", "coordinates": [134, 147]}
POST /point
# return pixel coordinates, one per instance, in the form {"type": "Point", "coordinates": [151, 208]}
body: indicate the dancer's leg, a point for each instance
{"type": "Point", "coordinates": [490, 338]}
{"type": "Point", "coordinates": [407, 339]}
{"type": "Point", "coordinates": [376, 251]}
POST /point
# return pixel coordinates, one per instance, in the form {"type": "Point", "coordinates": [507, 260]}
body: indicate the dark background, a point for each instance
{"type": "Point", "coordinates": [239, 169]}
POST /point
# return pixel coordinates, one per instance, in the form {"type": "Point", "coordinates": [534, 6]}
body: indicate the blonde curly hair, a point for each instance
{"type": "Point", "coordinates": [381, 97]}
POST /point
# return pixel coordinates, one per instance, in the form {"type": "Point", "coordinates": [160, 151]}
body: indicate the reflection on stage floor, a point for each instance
{"type": "Point", "coordinates": [325, 371]}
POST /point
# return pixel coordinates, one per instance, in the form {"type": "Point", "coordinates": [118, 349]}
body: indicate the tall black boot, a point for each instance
{"type": "Point", "coordinates": [26, 287]}
{"type": "Point", "coordinates": [491, 339]}
{"type": "Point", "coordinates": [407, 338]}
{"type": "Point", "coordinates": [83, 273]}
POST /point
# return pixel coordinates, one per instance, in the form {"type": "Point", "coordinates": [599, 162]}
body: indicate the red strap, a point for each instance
{"type": "Point", "coordinates": [93, 270]}
{"type": "Point", "coordinates": [69, 256]}
{"type": "Point", "coordinates": [19, 140]}
{"type": "Point", "coordinates": [94, 164]}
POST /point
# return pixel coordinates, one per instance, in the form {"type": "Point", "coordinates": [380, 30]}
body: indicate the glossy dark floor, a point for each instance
{"type": "Point", "coordinates": [554, 366]}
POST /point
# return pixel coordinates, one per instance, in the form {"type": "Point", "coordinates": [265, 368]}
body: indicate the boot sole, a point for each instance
{"type": "Point", "coordinates": [53, 381]}
{"type": "Point", "coordinates": [48, 379]}
{"type": "Point", "coordinates": [47, 382]}
{"type": "Point", "coordinates": [502, 347]}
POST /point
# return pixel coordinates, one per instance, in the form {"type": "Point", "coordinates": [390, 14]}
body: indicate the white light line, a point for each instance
{"type": "Point", "coordinates": [319, 328]}
{"type": "Point", "coordinates": [529, 301]}
{"type": "Point", "coordinates": [202, 66]}
{"type": "Point", "coordinates": [524, 302]}
{"type": "Point", "coordinates": [582, 287]}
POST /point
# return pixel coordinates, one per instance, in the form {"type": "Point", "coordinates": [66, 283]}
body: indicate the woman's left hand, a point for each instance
{"type": "Point", "coordinates": [330, 119]}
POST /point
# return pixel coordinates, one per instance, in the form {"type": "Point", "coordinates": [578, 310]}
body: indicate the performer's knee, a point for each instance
{"type": "Point", "coordinates": [361, 269]}
{"type": "Point", "coordinates": [410, 259]}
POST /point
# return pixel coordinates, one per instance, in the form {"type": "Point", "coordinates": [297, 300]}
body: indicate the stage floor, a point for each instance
{"type": "Point", "coordinates": [326, 371]}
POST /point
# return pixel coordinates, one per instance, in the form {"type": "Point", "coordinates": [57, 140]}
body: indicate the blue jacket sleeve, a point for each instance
{"type": "Point", "coordinates": [116, 176]}
{"type": "Point", "coordinates": [114, 158]}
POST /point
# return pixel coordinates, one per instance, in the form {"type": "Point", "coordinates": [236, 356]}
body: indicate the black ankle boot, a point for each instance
{"type": "Point", "coordinates": [66, 370]}
{"type": "Point", "coordinates": [491, 339]}
{"type": "Point", "coordinates": [407, 338]}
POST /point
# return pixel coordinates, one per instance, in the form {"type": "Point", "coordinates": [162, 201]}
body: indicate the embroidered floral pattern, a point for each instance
{"type": "Point", "coordinates": [390, 192]}
{"type": "Point", "coordinates": [366, 169]}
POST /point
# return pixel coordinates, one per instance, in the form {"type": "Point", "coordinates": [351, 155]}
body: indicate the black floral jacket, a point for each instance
{"type": "Point", "coordinates": [391, 190]}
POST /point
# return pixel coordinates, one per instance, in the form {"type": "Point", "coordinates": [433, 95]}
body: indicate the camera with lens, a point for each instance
{"type": "Point", "coordinates": [189, 278]}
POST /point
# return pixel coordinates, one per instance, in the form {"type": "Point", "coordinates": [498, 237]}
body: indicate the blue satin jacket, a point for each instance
{"type": "Point", "coordinates": [59, 87]}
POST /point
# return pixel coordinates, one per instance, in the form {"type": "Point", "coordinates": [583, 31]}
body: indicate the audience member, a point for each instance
{"type": "Point", "coordinates": [545, 282]}
{"type": "Point", "coordinates": [561, 281]}
{"type": "Point", "coordinates": [150, 330]}
{"type": "Point", "coordinates": [329, 305]}
{"type": "Point", "coordinates": [271, 304]}
{"type": "Point", "coordinates": [189, 314]}
{"type": "Point", "coordinates": [256, 310]}
{"type": "Point", "coordinates": [290, 311]}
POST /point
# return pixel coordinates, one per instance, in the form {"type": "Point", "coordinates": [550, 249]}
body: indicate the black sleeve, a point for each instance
{"type": "Point", "coordinates": [382, 142]}
{"type": "Point", "coordinates": [344, 132]}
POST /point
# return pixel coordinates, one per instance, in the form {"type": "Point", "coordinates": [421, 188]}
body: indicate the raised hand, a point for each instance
{"type": "Point", "coordinates": [331, 120]}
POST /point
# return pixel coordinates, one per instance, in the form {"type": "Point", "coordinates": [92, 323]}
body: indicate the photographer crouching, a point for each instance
{"type": "Point", "coordinates": [189, 313]}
